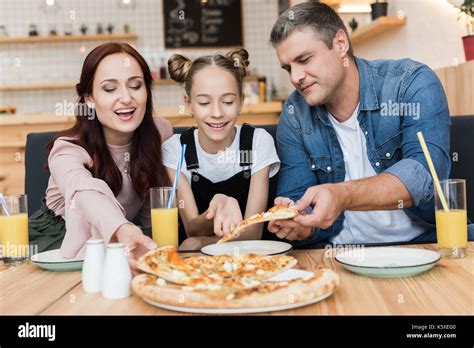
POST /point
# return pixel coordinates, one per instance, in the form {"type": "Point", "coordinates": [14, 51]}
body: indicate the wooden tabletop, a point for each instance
{"type": "Point", "coordinates": [446, 289]}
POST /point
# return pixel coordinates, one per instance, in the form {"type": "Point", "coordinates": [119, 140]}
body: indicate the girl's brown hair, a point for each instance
{"type": "Point", "coordinates": [145, 166]}
{"type": "Point", "coordinates": [183, 69]}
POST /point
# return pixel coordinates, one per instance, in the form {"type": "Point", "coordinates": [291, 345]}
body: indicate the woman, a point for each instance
{"type": "Point", "coordinates": [227, 168]}
{"type": "Point", "coordinates": [102, 168]}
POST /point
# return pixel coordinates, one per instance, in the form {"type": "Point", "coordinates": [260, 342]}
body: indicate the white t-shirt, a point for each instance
{"type": "Point", "coordinates": [377, 226]}
{"type": "Point", "coordinates": [225, 164]}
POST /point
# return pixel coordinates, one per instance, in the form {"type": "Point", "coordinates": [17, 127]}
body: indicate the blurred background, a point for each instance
{"type": "Point", "coordinates": [43, 44]}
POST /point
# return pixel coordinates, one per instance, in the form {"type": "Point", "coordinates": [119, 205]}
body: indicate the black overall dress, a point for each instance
{"type": "Point", "coordinates": [236, 186]}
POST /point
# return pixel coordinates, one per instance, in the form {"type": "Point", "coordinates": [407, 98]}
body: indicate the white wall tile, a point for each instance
{"type": "Point", "coordinates": [62, 62]}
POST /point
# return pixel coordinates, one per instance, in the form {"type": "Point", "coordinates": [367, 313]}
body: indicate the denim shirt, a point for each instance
{"type": "Point", "coordinates": [397, 99]}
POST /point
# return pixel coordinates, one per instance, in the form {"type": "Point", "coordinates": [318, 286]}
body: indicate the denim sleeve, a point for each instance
{"type": "Point", "coordinates": [295, 175]}
{"type": "Point", "coordinates": [423, 90]}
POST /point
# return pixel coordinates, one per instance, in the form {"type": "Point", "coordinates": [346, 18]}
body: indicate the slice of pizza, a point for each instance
{"type": "Point", "coordinates": [249, 266]}
{"type": "Point", "coordinates": [262, 267]}
{"type": "Point", "coordinates": [278, 212]}
{"type": "Point", "coordinates": [166, 263]}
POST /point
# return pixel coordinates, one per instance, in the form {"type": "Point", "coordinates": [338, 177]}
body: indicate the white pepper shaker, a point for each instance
{"type": "Point", "coordinates": [93, 267]}
{"type": "Point", "coordinates": [117, 276]}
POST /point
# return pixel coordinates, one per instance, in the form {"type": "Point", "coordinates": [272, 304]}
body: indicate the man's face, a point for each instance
{"type": "Point", "coordinates": [315, 70]}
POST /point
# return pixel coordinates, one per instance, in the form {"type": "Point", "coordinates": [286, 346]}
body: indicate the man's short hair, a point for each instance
{"type": "Point", "coordinates": [321, 18]}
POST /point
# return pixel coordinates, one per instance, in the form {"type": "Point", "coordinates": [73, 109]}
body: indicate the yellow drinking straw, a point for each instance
{"type": "Point", "coordinates": [433, 171]}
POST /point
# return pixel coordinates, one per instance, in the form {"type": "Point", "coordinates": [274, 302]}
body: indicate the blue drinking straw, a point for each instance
{"type": "Point", "coordinates": [176, 177]}
{"type": "Point", "coordinates": [4, 204]}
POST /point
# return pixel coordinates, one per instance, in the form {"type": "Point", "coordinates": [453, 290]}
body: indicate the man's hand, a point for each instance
{"type": "Point", "coordinates": [288, 229]}
{"type": "Point", "coordinates": [328, 203]}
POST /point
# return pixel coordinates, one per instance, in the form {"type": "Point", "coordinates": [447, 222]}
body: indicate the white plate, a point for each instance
{"type": "Point", "coordinates": [53, 261]}
{"type": "Point", "coordinates": [264, 247]}
{"type": "Point", "coordinates": [284, 276]}
{"type": "Point", "coordinates": [388, 262]}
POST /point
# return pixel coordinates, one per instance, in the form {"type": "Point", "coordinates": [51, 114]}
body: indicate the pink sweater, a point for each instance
{"type": "Point", "coordinates": [87, 204]}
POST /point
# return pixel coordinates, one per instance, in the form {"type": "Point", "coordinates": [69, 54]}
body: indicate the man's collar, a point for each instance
{"type": "Point", "coordinates": [367, 93]}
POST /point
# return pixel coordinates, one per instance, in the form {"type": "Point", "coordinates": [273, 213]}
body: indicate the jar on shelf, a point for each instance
{"type": "Point", "coordinates": [33, 30]}
{"type": "Point", "coordinates": [52, 30]}
{"type": "Point", "coordinates": [3, 31]}
{"type": "Point", "coordinates": [68, 29]}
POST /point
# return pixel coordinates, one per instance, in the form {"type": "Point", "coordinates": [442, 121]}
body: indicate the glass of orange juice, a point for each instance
{"type": "Point", "coordinates": [164, 220]}
{"type": "Point", "coordinates": [451, 226]}
{"type": "Point", "coordinates": [14, 228]}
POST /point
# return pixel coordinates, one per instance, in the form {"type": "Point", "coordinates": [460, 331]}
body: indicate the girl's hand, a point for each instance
{"type": "Point", "coordinates": [226, 214]}
{"type": "Point", "coordinates": [136, 243]}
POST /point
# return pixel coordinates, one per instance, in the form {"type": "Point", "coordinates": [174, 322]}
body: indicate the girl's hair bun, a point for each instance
{"type": "Point", "coordinates": [178, 67]}
{"type": "Point", "coordinates": [240, 57]}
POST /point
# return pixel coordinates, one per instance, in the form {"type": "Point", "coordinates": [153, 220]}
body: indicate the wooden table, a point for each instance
{"type": "Point", "coordinates": [447, 289]}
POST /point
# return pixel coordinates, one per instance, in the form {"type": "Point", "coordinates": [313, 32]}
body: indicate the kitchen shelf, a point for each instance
{"type": "Point", "coordinates": [378, 26]}
{"type": "Point", "coordinates": [71, 85]}
{"type": "Point", "coordinates": [66, 38]}
{"type": "Point", "coordinates": [49, 86]}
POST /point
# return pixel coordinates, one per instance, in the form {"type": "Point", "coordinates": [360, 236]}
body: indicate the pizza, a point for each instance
{"type": "Point", "coordinates": [226, 281]}
{"type": "Point", "coordinates": [166, 263]}
{"type": "Point", "coordinates": [278, 212]}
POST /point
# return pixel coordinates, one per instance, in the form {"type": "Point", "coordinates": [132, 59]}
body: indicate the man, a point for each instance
{"type": "Point", "coordinates": [350, 157]}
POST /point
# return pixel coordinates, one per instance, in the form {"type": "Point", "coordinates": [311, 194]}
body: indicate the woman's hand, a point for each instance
{"type": "Point", "coordinates": [226, 214]}
{"type": "Point", "coordinates": [136, 243]}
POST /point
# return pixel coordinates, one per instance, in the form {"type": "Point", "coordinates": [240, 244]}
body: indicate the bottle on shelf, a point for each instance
{"type": "Point", "coordinates": [154, 69]}
{"type": "Point", "coordinates": [83, 29]}
{"type": "Point", "coordinates": [163, 70]}
{"type": "Point", "coordinates": [262, 87]}
{"type": "Point", "coordinates": [273, 93]}
{"type": "Point", "coordinates": [110, 28]}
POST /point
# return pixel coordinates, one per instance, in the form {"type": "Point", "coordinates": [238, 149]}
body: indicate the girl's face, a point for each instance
{"type": "Point", "coordinates": [120, 96]}
{"type": "Point", "coordinates": [215, 103]}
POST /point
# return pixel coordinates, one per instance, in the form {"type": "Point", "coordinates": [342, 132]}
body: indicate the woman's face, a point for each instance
{"type": "Point", "coordinates": [119, 96]}
{"type": "Point", "coordinates": [215, 103]}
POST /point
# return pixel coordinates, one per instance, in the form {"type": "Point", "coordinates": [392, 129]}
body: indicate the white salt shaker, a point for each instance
{"type": "Point", "coordinates": [117, 276]}
{"type": "Point", "coordinates": [93, 266]}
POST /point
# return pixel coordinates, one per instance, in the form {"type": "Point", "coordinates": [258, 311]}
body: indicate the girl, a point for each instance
{"type": "Point", "coordinates": [102, 168]}
{"type": "Point", "coordinates": [227, 168]}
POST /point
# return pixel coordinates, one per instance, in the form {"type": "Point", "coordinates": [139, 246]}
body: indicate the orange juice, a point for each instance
{"type": "Point", "coordinates": [14, 235]}
{"type": "Point", "coordinates": [164, 226]}
{"type": "Point", "coordinates": [451, 228]}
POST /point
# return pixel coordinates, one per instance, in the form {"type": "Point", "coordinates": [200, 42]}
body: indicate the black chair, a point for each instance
{"type": "Point", "coordinates": [462, 156]}
{"type": "Point", "coordinates": [36, 175]}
